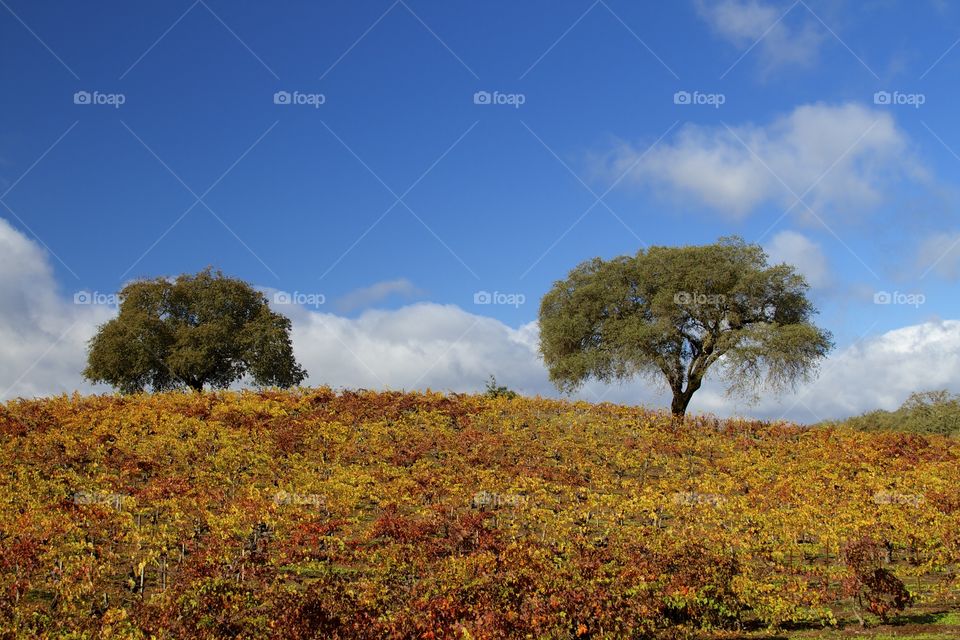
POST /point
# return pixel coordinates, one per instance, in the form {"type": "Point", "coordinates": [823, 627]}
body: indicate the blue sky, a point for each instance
{"type": "Point", "coordinates": [401, 190]}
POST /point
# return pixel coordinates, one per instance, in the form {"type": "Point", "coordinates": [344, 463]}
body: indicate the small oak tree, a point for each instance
{"type": "Point", "coordinates": [677, 311]}
{"type": "Point", "coordinates": [196, 330]}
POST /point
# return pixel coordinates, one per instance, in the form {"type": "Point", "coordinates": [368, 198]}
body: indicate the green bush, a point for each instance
{"type": "Point", "coordinates": [493, 390]}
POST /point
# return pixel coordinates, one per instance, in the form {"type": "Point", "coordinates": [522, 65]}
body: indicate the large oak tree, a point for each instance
{"type": "Point", "coordinates": [675, 313]}
{"type": "Point", "coordinates": [196, 330]}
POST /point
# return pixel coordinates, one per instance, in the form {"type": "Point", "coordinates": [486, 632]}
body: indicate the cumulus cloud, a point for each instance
{"type": "Point", "coordinates": [879, 373]}
{"type": "Point", "coordinates": [42, 334]}
{"type": "Point", "coordinates": [375, 293]}
{"type": "Point", "coordinates": [838, 157]}
{"type": "Point", "coordinates": [43, 337]}
{"type": "Point", "coordinates": [417, 346]}
{"type": "Point", "coordinates": [764, 26]}
{"type": "Point", "coordinates": [800, 251]}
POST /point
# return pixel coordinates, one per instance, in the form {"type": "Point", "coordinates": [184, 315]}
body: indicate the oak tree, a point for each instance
{"type": "Point", "coordinates": [195, 330]}
{"type": "Point", "coordinates": [675, 313]}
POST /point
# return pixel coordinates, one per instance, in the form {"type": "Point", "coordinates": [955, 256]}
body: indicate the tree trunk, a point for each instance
{"type": "Point", "coordinates": [681, 397]}
{"type": "Point", "coordinates": [196, 385]}
{"type": "Point", "coordinates": [679, 405]}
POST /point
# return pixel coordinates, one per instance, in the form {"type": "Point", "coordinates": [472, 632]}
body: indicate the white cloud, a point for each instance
{"type": "Point", "coordinates": [416, 346]}
{"type": "Point", "coordinates": [839, 157]}
{"type": "Point", "coordinates": [42, 335]}
{"type": "Point", "coordinates": [882, 371]}
{"type": "Point", "coordinates": [764, 26]}
{"type": "Point", "coordinates": [446, 348]}
{"type": "Point", "coordinates": [376, 292]}
{"type": "Point", "coordinates": [806, 255]}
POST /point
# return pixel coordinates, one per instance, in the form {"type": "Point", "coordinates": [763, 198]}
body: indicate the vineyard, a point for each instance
{"type": "Point", "coordinates": [323, 514]}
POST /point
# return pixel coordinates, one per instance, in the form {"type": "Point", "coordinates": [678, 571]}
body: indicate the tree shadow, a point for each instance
{"type": "Point", "coordinates": [927, 617]}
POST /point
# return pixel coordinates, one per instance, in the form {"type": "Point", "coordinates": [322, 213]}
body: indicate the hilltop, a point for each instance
{"type": "Point", "coordinates": [355, 514]}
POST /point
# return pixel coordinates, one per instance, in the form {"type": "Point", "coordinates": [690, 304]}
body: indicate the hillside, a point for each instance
{"type": "Point", "coordinates": [369, 515]}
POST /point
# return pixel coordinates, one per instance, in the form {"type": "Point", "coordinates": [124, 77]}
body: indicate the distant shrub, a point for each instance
{"type": "Point", "coordinates": [924, 412]}
{"type": "Point", "coordinates": [493, 390]}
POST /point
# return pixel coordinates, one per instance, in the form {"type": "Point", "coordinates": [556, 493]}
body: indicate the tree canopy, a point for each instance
{"type": "Point", "coordinates": [673, 313]}
{"type": "Point", "coordinates": [195, 330]}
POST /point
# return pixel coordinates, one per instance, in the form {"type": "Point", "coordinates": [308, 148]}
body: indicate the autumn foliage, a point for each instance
{"type": "Point", "coordinates": [322, 514]}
